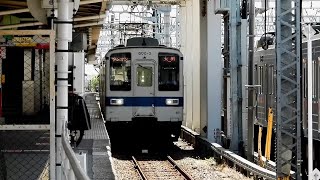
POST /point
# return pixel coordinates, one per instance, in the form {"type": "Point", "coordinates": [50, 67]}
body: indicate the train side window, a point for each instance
{"type": "Point", "coordinates": [305, 82]}
{"type": "Point", "coordinates": [120, 72]}
{"type": "Point", "coordinates": [168, 72]}
{"type": "Point", "coordinates": [256, 78]}
{"type": "Point", "coordinates": [317, 78]}
{"type": "Point", "coordinates": [313, 79]}
{"type": "Point", "coordinates": [261, 79]}
{"type": "Point", "coordinates": [271, 79]}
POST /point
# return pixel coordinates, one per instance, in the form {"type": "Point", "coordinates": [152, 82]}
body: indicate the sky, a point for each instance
{"type": "Point", "coordinates": [90, 71]}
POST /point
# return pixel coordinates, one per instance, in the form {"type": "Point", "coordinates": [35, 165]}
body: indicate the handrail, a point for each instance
{"type": "Point", "coordinates": [78, 171]}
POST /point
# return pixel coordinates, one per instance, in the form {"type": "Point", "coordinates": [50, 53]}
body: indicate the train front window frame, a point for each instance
{"type": "Point", "coordinates": [120, 72]}
{"type": "Point", "coordinates": [144, 76]}
{"type": "Point", "coordinates": [168, 72]}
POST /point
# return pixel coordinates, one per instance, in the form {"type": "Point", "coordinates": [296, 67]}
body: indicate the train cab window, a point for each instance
{"type": "Point", "coordinates": [144, 76]}
{"type": "Point", "coordinates": [120, 72]}
{"type": "Point", "coordinates": [168, 72]}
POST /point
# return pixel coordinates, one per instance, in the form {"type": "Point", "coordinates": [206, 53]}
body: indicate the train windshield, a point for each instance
{"type": "Point", "coordinates": [144, 76]}
{"type": "Point", "coordinates": [168, 72]}
{"type": "Point", "coordinates": [120, 72]}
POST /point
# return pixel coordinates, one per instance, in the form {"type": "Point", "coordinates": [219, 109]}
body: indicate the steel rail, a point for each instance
{"type": "Point", "coordinates": [137, 166]}
{"type": "Point", "coordinates": [171, 161]}
{"type": "Point", "coordinates": [182, 172]}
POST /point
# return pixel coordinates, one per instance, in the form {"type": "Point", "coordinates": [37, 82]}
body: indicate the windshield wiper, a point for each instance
{"type": "Point", "coordinates": [142, 66]}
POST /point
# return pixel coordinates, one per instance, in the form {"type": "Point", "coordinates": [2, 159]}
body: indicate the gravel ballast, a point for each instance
{"type": "Point", "coordinates": [197, 167]}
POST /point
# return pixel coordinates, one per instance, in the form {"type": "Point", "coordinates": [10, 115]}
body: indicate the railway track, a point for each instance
{"type": "Point", "coordinates": [233, 160]}
{"type": "Point", "coordinates": [164, 168]}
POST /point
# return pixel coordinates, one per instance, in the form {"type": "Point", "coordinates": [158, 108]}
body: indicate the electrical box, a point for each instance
{"type": "Point", "coordinates": [221, 6]}
{"type": "Point", "coordinates": [79, 42]}
{"type": "Point", "coordinates": [78, 72]}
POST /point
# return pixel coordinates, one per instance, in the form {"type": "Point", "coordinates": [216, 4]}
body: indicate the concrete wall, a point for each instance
{"type": "Point", "coordinates": [190, 25]}
{"type": "Point", "coordinates": [201, 46]}
{"type": "Point", "coordinates": [214, 74]}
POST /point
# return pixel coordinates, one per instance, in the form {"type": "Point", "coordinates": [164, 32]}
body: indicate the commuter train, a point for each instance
{"type": "Point", "coordinates": [265, 67]}
{"type": "Point", "coordinates": [265, 75]}
{"type": "Point", "coordinates": [141, 90]}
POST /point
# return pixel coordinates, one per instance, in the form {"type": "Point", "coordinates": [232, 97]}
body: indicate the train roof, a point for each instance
{"type": "Point", "coordinates": [142, 42]}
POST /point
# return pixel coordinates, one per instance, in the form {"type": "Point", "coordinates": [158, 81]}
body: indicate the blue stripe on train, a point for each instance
{"type": "Point", "coordinates": [144, 101]}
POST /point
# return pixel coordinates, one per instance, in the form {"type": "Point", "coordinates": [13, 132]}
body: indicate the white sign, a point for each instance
{"type": "Point", "coordinates": [315, 174]}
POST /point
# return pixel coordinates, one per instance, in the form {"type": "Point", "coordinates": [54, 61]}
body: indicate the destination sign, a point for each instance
{"type": "Point", "coordinates": [120, 57]}
{"type": "Point", "coordinates": [169, 59]}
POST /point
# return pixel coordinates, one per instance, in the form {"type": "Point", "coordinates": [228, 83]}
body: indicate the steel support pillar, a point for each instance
{"type": "Point", "coordinates": [226, 72]}
{"type": "Point", "coordinates": [288, 39]}
{"type": "Point", "coordinates": [244, 78]}
{"type": "Point", "coordinates": [250, 123]}
{"type": "Point", "coordinates": [236, 76]}
{"type": "Point", "coordinates": [64, 36]}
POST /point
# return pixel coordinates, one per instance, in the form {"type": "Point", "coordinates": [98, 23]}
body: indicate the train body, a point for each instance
{"type": "Point", "coordinates": [141, 90]}
{"type": "Point", "coordinates": [265, 74]}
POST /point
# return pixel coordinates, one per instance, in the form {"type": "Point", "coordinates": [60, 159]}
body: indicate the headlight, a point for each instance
{"type": "Point", "coordinates": [118, 102]}
{"type": "Point", "coordinates": [172, 102]}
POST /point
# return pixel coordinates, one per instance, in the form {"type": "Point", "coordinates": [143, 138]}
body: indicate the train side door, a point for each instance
{"type": "Point", "coordinates": [144, 89]}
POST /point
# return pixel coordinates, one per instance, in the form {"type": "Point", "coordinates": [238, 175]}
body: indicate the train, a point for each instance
{"type": "Point", "coordinates": [264, 69]}
{"type": "Point", "coordinates": [141, 91]}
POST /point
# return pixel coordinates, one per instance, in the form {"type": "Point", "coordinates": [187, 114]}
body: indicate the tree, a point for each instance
{"type": "Point", "coordinates": [94, 84]}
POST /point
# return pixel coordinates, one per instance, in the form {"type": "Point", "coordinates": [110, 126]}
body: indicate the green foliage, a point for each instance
{"type": "Point", "coordinates": [94, 84]}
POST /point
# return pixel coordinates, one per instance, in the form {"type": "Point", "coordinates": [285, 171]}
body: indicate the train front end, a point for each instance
{"type": "Point", "coordinates": [144, 93]}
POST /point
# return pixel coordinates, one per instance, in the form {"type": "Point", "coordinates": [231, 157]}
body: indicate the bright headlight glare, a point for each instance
{"type": "Point", "coordinates": [172, 102]}
{"type": "Point", "coordinates": [116, 101]}
{"type": "Point", "coordinates": [169, 102]}
{"type": "Point", "coordinates": [120, 101]}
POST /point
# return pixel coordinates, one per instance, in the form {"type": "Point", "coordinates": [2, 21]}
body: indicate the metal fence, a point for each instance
{"type": "Point", "coordinates": [27, 104]}
{"type": "Point", "coordinates": [71, 169]}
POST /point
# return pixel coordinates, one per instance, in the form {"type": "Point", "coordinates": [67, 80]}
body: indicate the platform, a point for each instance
{"type": "Point", "coordinates": [96, 143]}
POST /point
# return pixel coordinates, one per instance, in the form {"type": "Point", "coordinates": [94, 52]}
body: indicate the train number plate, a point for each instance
{"type": "Point", "coordinates": [144, 53]}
